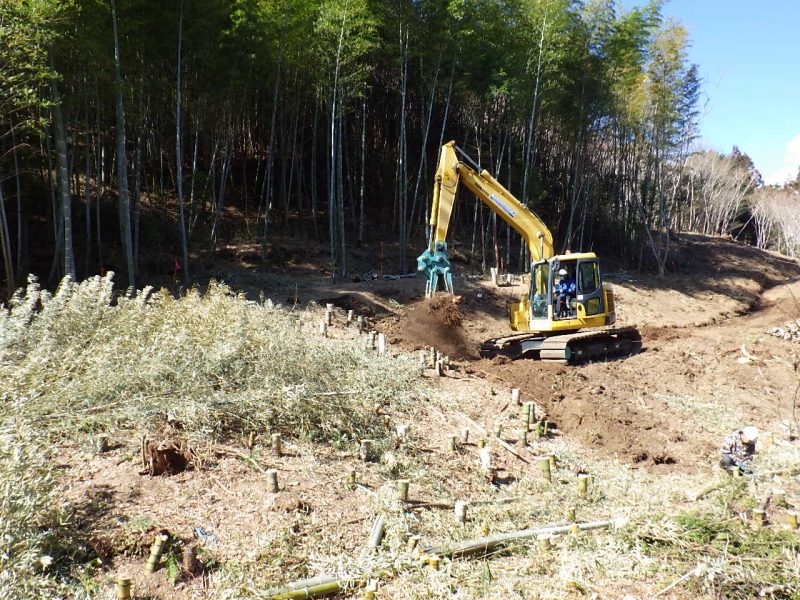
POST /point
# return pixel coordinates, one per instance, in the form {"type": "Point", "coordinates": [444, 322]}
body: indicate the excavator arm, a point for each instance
{"type": "Point", "coordinates": [450, 172]}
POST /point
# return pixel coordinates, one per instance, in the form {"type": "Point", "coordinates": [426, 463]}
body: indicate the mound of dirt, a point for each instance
{"type": "Point", "coordinates": [433, 322]}
{"type": "Point", "coordinates": [605, 414]}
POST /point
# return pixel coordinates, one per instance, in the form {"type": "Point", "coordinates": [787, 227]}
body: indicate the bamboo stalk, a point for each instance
{"type": "Point", "coordinates": [487, 544]}
{"type": "Point", "coordinates": [694, 496]}
{"type": "Point", "coordinates": [402, 490]}
{"type": "Point", "coordinates": [377, 532]}
{"type": "Point", "coordinates": [544, 464]}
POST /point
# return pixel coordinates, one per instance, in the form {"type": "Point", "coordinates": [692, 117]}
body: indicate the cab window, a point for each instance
{"type": "Point", "coordinates": [588, 278]}
{"type": "Point", "coordinates": [541, 275]}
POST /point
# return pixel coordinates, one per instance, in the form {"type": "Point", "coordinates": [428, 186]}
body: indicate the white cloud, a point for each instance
{"type": "Point", "coordinates": [791, 163]}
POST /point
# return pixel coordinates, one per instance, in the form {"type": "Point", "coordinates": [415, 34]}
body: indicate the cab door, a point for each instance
{"type": "Point", "coordinates": [589, 288]}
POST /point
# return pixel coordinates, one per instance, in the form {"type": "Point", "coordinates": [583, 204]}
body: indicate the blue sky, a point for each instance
{"type": "Point", "coordinates": [748, 53]}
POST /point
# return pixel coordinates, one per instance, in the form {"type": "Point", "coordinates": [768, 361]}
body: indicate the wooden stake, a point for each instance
{"type": "Point", "coordinates": [461, 511]}
{"type": "Point", "coordinates": [365, 450]}
{"type": "Point", "coordinates": [791, 519]}
{"type": "Point", "coordinates": [272, 480]}
{"type": "Point", "coordinates": [583, 485]}
{"type": "Point", "coordinates": [155, 552]}
{"type": "Point", "coordinates": [190, 559]}
{"type": "Point", "coordinates": [402, 490]}
{"type": "Point", "coordinates": [277, 446]}
{"type": "Point", "coordinates": [515, 395]}
{"type": "Point", "coordinates": [124, 588]}
{"type": "Point", "coordinates": [544, 464]}
{"type": "Point", "coordinates": [451, 443]}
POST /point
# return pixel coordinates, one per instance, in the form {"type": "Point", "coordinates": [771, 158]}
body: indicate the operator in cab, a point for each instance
{"type": "Point", "coordinates": [565, 289]}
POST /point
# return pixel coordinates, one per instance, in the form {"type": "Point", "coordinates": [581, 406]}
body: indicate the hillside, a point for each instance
{"type": "Point", "coordinates": [646, 429]}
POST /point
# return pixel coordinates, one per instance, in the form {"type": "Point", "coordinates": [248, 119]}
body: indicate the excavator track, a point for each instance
{"type": "Point", "coordinates": [569, 348]}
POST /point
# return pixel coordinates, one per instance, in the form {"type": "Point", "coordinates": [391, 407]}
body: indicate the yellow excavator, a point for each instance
{"type": "Point", "coordinates": [566, 295]}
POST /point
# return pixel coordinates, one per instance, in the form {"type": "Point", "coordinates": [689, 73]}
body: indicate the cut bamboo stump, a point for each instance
{"type": "Point", "coordinates": [498, 430]}
{"type": "Point", "coordinates": [402, 490]}
{"type": "Point", "coordinates": [529, 414]}
{"type": "Point", "coordinates": [381, 343]}
{"type": "Point", "coordinates": [101, 443]}
{"type": "Point", "coordinates": [433, 562]}
{"type": "Point", "coordinates": [779, 497]}
{"type": "Point", "coordinates": [350, 481]}
{"type": "Point", "coordinates": [124, 588]}
{"type": "Point", "coordinates": [515, 395]}
{"type": "Point", "coordinates": [451, 443]}
{"type": "Point", "coordinates": [350, 314]}
{"type": "Point", "coordinates": [465, 435]}
{"type": "Point", "coordinates": [402, 432]}
{"type": "Point", "coordinates": [759, 518]}
{"type": "Point", "coordinates": [190, 559]}
{"type": "Point", "coordinates": [277, 445]}
{"type": "Point", "coordinates": [544, 464]}
{"type": "Point", "coordinates": [583, 486]}
{"type": "Point", "coordinates": [552, 459]}
{"type": "Point", "coordinates": [791, 519]}
{"type": "Point", "coordinates": [360, 324]}
{"type": "Point", "coordinates": [438, 368]}
{"type": "Point", "coordinates": [323, 329]}
{"type": "Point", "coordinates": [155, 552]}
{"type": "Point", "coordinates": [365, 450]}
{"type": "Point", "coordinates": [545, 542]}
{"type": "Point", "coordinates": [486, 459]}
{"type": "Point", "coordinates": [329, 315]}
{"type": "Point", "coordinates": [272, 481]}
{"type": "Point", "coordinates": [461, 511]}
{"type": "Point", "coordinates": [413, 542]}
{"type": "Point", "coordinates": [572, 514]}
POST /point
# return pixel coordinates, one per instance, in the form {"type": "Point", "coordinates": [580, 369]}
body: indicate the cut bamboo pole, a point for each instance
{"type": "Point", "coordinates": [515, 395]}
{"type": "Point", "coordinates": [487, 544]}
{"type": "Point", "coordinates": [155, 552]}
{"type": "Point", "coordinates": [694, 496]}
{"type": "Point", "coordinates": [326, 585]}
{"type": "Point", "coordinates": [381, 343]}
{"type": "Point", "coordinates": [272, 480]}
{"type": "Point", "coordinates": [124, 588]}
{"type": "Point", "coordinates": [277, 445]}
{"type": "Point", "coordinates": [365, 450]}
{"type": "Point", "coordinates": [461, 511]}
{"type": "Point", "coordinates": [486, 459]}
{"type": "Point", "coordinates": [402, 490]}
{"type": "Point", "coordinates": [583, 486]}
{"type": "Point", "coordinates": [377, 532]}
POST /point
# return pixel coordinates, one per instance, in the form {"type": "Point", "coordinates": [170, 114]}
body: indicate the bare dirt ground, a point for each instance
{"type": "Point", "coordinates": [707, 367]}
